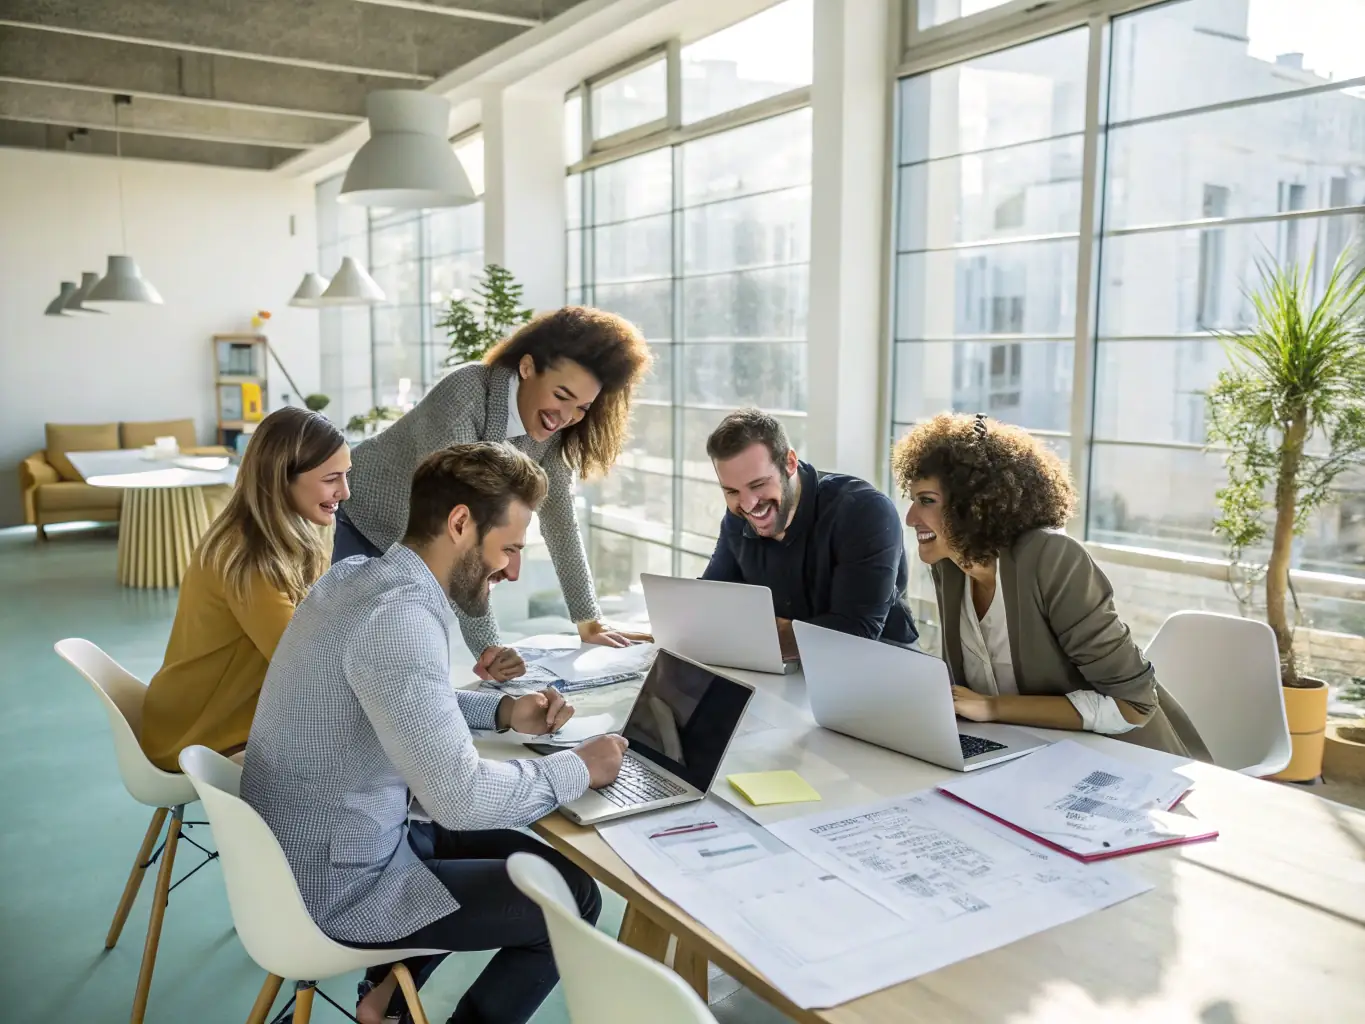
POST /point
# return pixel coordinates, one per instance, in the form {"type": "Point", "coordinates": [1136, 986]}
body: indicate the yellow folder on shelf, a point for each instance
{"type": "Point", "coordinates": [252, 411]}
{"type": "Point", "coordinates": [781, 787]}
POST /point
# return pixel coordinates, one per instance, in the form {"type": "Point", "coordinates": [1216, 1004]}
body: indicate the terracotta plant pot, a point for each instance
{"type": "Point", "coordinates": [1306, 708]}
{"type": "Point", "coordinates": [1343, 756]}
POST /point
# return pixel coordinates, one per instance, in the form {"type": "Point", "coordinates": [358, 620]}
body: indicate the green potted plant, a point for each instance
{"type": "Point", "coordinates": [476, 324]}
{"type": "Point", "coordinates": [317, 402]}
{"type": "Point", "coordinates": [1290, 409]}
{"type": "Point", "coordinates": [366, 423]}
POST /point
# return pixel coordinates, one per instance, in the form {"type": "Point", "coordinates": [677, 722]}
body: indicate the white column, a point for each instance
{"type": "Point", "coordinates": [524, 213]}
{"type": "Point", "coordinates": [850, 94]}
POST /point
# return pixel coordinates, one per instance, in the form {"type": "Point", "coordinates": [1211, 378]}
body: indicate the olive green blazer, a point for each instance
{"type": "Point", "coordinates": [1065, 635]}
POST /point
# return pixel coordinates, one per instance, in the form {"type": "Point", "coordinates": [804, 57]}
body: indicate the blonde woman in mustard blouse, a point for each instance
{"type": "Point", "coordinates": [251, 569]}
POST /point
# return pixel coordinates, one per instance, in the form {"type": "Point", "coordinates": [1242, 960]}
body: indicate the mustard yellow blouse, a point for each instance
{"type": "Point", "coordinates": [215, 663]}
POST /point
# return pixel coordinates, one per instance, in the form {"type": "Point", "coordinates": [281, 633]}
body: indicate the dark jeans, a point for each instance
{"type": "Point", "coordinates": [493, 914]}
{"type": "Point", "coordinates": [348, 541]}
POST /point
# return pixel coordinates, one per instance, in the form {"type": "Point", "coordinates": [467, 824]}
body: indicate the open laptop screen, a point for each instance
{"type": "Point", "coordinates": [684, 718]}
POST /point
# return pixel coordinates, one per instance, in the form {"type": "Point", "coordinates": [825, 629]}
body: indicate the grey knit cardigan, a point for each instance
{"type": "Point", "coordinates": [469, 405]}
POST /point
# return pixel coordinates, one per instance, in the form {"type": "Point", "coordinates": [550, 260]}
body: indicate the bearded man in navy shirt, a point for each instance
{"type": "Point", "coordinates": [829, 546]}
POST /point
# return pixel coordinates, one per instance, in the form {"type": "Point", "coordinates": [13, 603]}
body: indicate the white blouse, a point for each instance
{"type": "Point", "coordinates": [988, 663]}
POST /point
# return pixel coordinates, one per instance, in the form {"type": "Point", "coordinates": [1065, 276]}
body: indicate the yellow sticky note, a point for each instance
{"type": "Point", "coordinates": [784, 787]}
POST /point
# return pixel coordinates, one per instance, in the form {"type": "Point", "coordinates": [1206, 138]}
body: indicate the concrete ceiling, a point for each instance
{"type": "Point", "coordinates": [234, 83]}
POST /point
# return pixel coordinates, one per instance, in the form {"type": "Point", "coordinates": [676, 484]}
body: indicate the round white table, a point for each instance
{"type": "Point", "coordinates": [167, 506]}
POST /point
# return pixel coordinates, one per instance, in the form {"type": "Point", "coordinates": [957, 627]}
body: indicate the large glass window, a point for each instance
{"type": "Point", "coordinates": [1228, 131]}
{"type": "Point", "coordinates": [704, 244]}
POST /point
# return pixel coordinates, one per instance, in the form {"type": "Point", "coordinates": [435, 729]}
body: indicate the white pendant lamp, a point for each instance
{"type": "Point", "coordinates": [408, 162]}
{"type": "Point", "coordinates": [76, 304]}
{"type": "Point", "coordinates": [310, 290]}
{"type": "Point", "coordinates": [57, 307]}
{"type": "Point", "coordinates": [123, 281]}
{"type": "Point", "coordinates": [351, 286]}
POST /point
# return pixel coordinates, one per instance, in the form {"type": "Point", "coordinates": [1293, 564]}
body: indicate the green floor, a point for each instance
{"type": "Point", "coordinates": [71, 829]}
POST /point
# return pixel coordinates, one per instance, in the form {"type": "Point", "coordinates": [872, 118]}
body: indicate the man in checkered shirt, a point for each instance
{"type": "Point", "coordinates": [357, 709]}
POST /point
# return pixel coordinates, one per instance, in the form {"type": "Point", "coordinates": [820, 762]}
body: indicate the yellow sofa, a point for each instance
{"type": "Point", "coordinates": [54, 492]}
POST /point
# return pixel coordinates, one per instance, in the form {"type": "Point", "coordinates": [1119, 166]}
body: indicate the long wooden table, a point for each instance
{"type": "Point", "coordinates": [1265, 925]}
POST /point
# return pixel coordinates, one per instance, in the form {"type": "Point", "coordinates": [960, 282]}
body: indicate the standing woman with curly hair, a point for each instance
{"type": "Point", "coordinates": [1030, 633]}
{"type": "Point", "coordinates": [558, 390]}
{"type": "Point", "coordinates": [249, 572]}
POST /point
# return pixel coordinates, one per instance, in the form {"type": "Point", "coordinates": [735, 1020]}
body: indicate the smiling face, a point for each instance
{"type": "Point", "coordinates": [483, 563]}
{"type": "Point", "coordinates": [554, 398]}
{"type": "Point", "coordinates": [925, 517]}
{"type": "Point", "coordinates": [758, 489]}
{"type": "Point", "coordinates": [315, 494]}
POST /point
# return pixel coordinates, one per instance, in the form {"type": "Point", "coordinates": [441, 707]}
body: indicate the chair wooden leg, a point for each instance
{"type": "Point", "coordinates": [409, 987]}
{"type": "Point", "coordinates": [692, 966]}
{"type": "Point", "coordinates": [163, 888]}
{"type": "Point", "coordinates": [640, 933]}
{"type": "Point", "coordinates": [266, 999]}
{"type": "Point", "coordinates": [135, 876]}
{"type": "Point", "coordinates": [303, 1004]}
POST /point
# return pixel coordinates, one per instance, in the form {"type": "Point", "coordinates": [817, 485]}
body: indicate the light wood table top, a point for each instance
{"type": "Point", "coordinates": [1265, 925]}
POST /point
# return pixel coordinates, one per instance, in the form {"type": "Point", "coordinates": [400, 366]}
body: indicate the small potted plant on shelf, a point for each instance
{"type": "Point", "coordinates": [366, 424]}
{"type": "Point", "coordinates": [317, 403]}
{"type": "Point", "coordinates": [475, 324]}
{"type": "Point", "coordinates": [1290, 410]}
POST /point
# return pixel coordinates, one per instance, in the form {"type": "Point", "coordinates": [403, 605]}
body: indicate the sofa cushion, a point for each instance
{"type": "Point", "coordinates": [74, 497]}
{"type": "Point", "coordinates": [77, 437]}
{"type": "Point", "coordinates": [140, 434]}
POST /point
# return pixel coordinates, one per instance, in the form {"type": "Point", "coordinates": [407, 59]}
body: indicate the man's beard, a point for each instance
{"type": "Point", "coordinates": [468, 584]}
{"type": "Point", "coordinates": [785, 503]}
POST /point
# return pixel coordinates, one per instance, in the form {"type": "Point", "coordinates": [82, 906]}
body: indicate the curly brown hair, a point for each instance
{"type": "Point", "coordinates": [998, 481]}
{"type": "Point", "coordinates": [609, 347]}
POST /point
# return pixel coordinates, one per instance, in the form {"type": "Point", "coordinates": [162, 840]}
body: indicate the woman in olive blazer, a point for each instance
{"type": "Point", "coordinates": [1029, 629]}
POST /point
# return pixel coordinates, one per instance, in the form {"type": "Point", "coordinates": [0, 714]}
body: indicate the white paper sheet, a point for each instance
{"type": "Point", "coordinates": [844, 902]}
{"type": "Point", "coordinates": [1081, 799]}
{"type": "Point", "coordinates": [593, 661]}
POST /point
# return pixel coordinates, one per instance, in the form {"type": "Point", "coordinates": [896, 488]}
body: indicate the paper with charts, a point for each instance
{"type": "Point", "coordinates": [835, 905]}
{"type": "Point", "coordinates": [1082, 800]}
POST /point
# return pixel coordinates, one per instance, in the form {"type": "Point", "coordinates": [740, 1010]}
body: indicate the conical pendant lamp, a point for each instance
{"type": "Point", "coordinates": [123, 280]}
{"type": "Point", "coordinates": [76, 304]}
{"type": "Point", "coordinates": [351, 286]}
{"type": "Point", "coordinates": [57, 307]}
{"type": "Point", "coordinates": [310, 290]}
{"type": "Point", "coordinates": [408, 162]}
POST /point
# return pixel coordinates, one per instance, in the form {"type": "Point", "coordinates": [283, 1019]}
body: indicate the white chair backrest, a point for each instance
{"type": "Point", "coordinates": [267, 908]}
{"type": "Point", "coordinates": [1225, 672]}
{"type": "Point", "coordinates": [121, 693]}
{"type": "Point", "coordinates": [604, 981]}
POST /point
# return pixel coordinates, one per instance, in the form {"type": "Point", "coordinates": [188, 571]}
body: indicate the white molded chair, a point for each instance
{"type": "Point", "coordinates": [604, 981]}
{"type": "Point", "coordinates": [1225, 672]}
{"type": "Point", "coordinates": [122, 694]}
{"type": "Point", "coordinates": [267, 908]}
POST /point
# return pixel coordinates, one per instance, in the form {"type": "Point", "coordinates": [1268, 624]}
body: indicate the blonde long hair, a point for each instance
{"type": "Point", "coordinates": [260, 531]}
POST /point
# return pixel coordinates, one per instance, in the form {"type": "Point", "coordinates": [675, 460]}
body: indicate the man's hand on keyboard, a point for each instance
{"type": "Point", "coordinates": [603, 758]}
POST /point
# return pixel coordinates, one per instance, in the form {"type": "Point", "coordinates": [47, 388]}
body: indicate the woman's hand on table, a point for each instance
{"type": "Point", "coordinates": [499, 664]}
{"type": "Point", "coordinates": [973, 706]}
{"type": "Point", "coordinates": [596, 633]}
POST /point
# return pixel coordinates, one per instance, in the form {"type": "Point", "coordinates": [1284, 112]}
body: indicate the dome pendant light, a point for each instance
{"type": "Point", "coordinates": [408, 162]}
{"type": "Point", "coordinates": [76, 304]}
{"type": "Point", "coordinates": [123, 280]}
{"type": "Point", "coordinates": [309, 291]}
{"type": "Point", "coordinates": [57, 307]}
{"type": "Point", "coordinates": [351, 286]}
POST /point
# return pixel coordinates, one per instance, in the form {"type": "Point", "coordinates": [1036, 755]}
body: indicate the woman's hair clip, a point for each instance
{"type": "Point", "coordinates": [980, 425]}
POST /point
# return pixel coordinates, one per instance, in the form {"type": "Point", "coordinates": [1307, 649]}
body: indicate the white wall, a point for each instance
{"type": "Point", "coordinates": [216, 243]}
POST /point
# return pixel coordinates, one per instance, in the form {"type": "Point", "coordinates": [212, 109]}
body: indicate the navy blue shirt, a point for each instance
{"type": "Point", "coordinates": [841, 564]}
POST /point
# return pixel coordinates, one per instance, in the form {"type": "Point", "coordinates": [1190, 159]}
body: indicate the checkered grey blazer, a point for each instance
{"type": "Point", "coordinates": [356, 709]}
{"type": "Point", "coordinates": [469, 405]}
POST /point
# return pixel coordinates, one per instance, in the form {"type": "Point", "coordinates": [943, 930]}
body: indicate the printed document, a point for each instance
{"type": "Point", "coordinates": [832, 906]}
{"type": "Point", "coordinates": [1083, 801]}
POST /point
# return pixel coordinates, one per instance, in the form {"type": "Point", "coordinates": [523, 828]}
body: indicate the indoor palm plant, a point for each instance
{"type": "Point", "coordinates": [1290, 409]}
{"type": "Point", "coordinates": [476, 324]}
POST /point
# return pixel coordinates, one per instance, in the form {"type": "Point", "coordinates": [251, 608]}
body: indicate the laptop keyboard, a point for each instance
{"type": "Point", "coordinates": [974, 745]}
{"type": "Point", "coordinates": [638, 785]}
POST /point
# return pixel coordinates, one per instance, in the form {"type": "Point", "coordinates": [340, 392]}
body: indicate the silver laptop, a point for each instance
{"type": "Point", "coordinates": [727, 624]}
{"type": "Point", "coordinates": [899, 699]}
{"type": "Point", "coordinates": [679, 730]}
